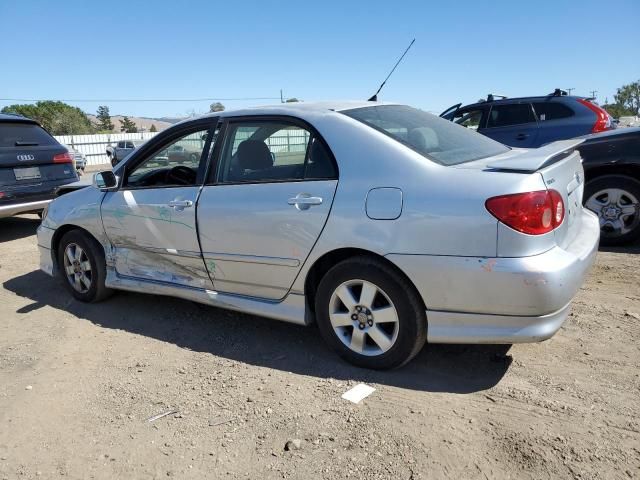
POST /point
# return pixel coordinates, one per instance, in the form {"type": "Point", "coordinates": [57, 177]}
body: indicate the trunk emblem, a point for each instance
{"type": "Point", "coordinates": [25, 158]}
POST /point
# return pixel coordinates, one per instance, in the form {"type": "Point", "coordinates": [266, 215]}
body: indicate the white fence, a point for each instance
{"type": "Point", "coordinates": [94, 147]}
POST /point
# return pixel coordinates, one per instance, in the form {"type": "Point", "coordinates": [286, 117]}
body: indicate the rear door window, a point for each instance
{"type": "Point", "coordinates": [20, 134]}
{"type": "Point", "coordinates": [551, 111]}
{"type": "Point", "coordinates": [273, 151]}
{"type": "Point", "coordinates": [510, 114]}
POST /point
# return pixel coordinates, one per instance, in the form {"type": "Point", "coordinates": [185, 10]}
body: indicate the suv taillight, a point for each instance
{"type": "Point", "coordinates": [62, 158]}
{"type": "Point", "coordinates": [603, 119]}
{"type": "Point", "coordinates": [533, 213]}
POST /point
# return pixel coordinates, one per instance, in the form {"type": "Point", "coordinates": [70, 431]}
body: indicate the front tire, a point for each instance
{"type": "Point", "coordinates": [616, 201]}
{"type": "Point", "coordinates": [370, 314]}
{"type": "Point", "coordinates": [82, 267]}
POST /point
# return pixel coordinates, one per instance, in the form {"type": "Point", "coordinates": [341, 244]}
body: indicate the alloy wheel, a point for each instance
{"type": "Point", "coordinates": [77, 268]}
{"type": "Point", "coordinates": [363, 317]}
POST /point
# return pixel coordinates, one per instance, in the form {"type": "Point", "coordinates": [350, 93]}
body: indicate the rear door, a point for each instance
{"type": "Point", "coordinates": [513, 124]}
{"type": "Point", "coordinates": [556, 121]}
{"type": "Point", "coordinates": [262, 212]}
{"type": "Point", "coordinates": [32, 163]}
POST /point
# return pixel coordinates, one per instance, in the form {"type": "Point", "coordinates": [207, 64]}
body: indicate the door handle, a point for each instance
{"type": "Point", "coordinates": [304, 201]}
{"type": "Point", "coordinates": [180, 203]}
{"type": "Point", "coordinates": [522, 136]}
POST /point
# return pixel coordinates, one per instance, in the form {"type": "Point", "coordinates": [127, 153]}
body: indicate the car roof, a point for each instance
{"type": "Point", "coordinates": [13, 117]}
{"type": "Point", "coordinates": [298, 107]}
{"type": "Point", "coordinates": [498, 101]}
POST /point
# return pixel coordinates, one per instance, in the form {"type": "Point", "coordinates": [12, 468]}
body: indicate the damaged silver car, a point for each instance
{"type": "Point", "coordinates": [387, 226]}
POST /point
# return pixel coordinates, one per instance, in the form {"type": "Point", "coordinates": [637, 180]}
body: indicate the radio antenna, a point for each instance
{"type": "Point", "coordinates": [374, 98]}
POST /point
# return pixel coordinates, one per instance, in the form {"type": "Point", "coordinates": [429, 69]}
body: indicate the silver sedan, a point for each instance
{"type": "Point", "coordinates": [387, 226]}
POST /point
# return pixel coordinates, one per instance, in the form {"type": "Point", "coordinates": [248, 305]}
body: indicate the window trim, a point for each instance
{"type": "Point", "coordinates": [531, 109]}
{"type": "Point", "coordinates": [156, 144]}
{"type": "Point", "coordinates": [214, 174]}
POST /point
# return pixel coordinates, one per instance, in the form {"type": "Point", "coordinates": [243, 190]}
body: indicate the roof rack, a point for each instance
{"type": "Point", "coordinates": [558, 93]}
{"type": "Point", "coordinates": [492, 96]}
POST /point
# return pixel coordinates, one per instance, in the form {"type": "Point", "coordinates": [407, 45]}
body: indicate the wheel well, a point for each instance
{"type": "Point", "coordinates": [632, 171]}
{"type": "Point", "coordinates": [328, 260]}
{"type": "Point", "coordinates": [57, 236]}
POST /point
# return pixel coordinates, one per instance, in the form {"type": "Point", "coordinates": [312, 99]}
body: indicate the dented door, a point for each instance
{"type": "Point", "coordinates": [154, 235]}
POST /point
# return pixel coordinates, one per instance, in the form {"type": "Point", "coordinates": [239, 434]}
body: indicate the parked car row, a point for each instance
{"type": "Point", "coordinates": [389, 227]}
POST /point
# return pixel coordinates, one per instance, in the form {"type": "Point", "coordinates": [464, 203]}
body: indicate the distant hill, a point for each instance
{"type": "Point", "coordinates": [141, 122]}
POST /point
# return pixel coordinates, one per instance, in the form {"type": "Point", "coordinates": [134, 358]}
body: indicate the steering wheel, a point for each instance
{"type": "Point", "coordinates": [180, 175]}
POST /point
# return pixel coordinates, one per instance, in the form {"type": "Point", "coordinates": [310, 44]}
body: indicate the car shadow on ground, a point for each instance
{"type": "Point", "coordinates": [631, 248]}
{"type": "Point", "coordinates": [267, 343]}
{"type": "Point", "coordinates": [15, 228]}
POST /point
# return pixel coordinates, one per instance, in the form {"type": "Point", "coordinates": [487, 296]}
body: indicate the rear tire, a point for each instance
{"type": "Point", "coordinates": [82, 267]}
{"type": "Point", "coordinates": [370, 314]}
{"type": "Point", "coordinates": [616, 201]}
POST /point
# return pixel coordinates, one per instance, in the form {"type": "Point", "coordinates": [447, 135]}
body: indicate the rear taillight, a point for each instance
{"type": "Point", "coordinates": [62, 158]}
{"type": "Point", "coordinates": [603, 119]}
{"type": "Point", "coordinates": [533, 213]}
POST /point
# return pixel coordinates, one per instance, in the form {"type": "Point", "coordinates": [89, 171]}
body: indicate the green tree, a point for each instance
{"type": "Point", "coordinates": [628, 96]}
{"type": "Point", "coordinates": [291, 100]}
{"type": "Point", "coordinates": [128, 126]}
{"type": "Point", "coordinates": [616, 110]}
{"type": "Point", "coordinates": [153, 128]}
{"type": "Point", "coordinates": [104, 119]}
{"type": "Point", "coordinates": [57, 117]}
{"type": "Point", "coordinates": [216, 107]}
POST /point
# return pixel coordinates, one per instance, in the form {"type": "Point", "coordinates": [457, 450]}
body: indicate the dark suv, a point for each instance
{"type": "Point", "coordinates": [530, 122]}
{"type": "Point", "coordinates": [32, 166]}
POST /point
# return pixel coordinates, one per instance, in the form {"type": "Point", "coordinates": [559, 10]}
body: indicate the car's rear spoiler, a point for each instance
{"type": "Point", "coordinates": [537, 158]}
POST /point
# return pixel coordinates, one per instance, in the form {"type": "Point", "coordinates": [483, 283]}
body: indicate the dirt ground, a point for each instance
{"type": "Point", "coordinates": [78, 383]}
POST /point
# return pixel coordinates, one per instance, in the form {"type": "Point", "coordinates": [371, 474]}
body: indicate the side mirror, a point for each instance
{"type": "Point", "coordinates": [105, 181]}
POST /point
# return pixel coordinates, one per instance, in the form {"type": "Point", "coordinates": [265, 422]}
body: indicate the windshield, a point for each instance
{"type": "Point", "coordinates": [439, 140]}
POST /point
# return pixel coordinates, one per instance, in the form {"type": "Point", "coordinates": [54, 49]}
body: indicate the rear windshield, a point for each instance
{"type": "Point", "coordinates": [437, 139]}
{"type": "Point", "coordinates": [20, 134]}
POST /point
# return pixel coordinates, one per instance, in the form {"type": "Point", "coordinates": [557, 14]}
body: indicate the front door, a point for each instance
{"type": "Point", "coordinates": [261, 215]}
{"type": "Point", "coordinates": [151, 219]}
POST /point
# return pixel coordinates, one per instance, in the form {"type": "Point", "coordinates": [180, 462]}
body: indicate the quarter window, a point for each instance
{"type": "Point", "coordinates": [551, 111]}
{"type": "Point", "coordinates": [272, 152]}
{"type": "Point", "coordinates": [510, 114]}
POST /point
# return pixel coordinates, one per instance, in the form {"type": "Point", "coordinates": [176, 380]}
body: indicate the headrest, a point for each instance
{"type": "Point", "coordinates": [423, 138]}
{"type": "Point", "coordinates": [254, 155]}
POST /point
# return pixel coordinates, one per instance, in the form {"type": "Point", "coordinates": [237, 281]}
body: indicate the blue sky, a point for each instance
{"type": "Point", "coordinates": [312, 50]}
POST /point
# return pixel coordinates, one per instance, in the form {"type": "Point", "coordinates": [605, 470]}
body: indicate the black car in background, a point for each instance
{"type": "Point", "coordinates": [611, 163]}
{"type": "Point", "coordinates": [32, 166]}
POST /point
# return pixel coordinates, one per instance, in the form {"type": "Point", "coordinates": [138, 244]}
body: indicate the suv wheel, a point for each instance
{"type": "Point", "coordinates": [616, 201]}
{"type": "Point", "coordinates": [370, 314]}
{"type": "Point", "coordinates": [82, 267]}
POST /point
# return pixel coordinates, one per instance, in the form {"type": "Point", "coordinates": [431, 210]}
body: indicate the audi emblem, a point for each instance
{"type": "Point", "coordinates": [25, 158]}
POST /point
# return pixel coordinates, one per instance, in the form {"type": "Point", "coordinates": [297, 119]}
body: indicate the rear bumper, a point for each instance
{"type": "Point", "coordinates": [502, 300]}
{"type": "Point", "coordinates": [454, 327]}
{"type": "Point", "coordinates": [18, 208]}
